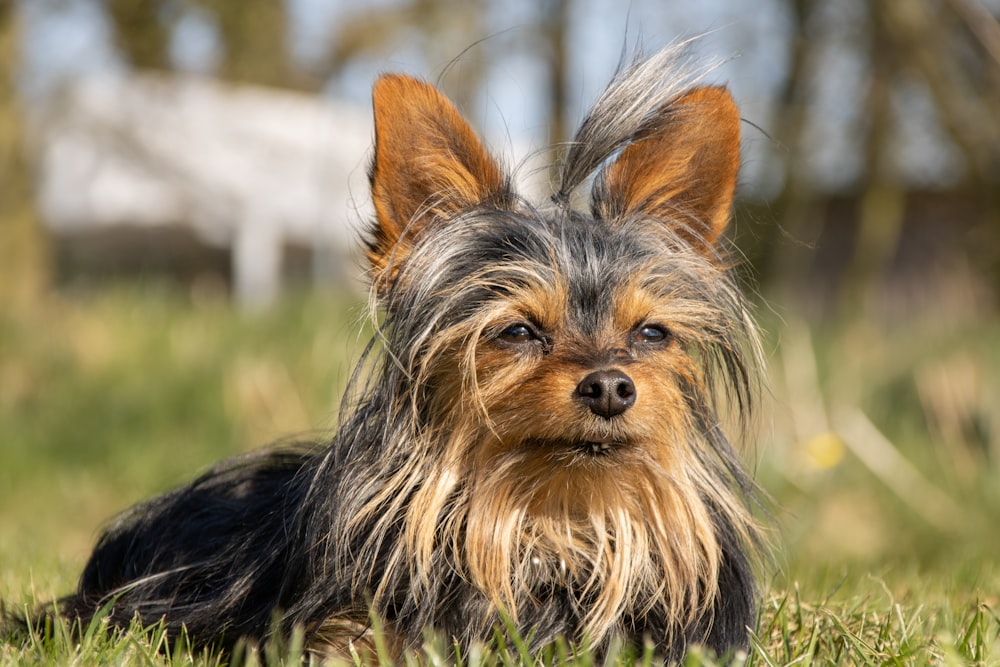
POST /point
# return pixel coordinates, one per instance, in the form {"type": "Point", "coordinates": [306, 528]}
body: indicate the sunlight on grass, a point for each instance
{"type": "Point", "coordinates": [881, 451]}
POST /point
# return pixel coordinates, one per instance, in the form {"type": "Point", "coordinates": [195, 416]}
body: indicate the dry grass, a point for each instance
{"type": "Point", "coordinates": [881, 449]}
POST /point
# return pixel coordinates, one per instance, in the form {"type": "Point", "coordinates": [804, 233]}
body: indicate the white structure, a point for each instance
{"type": "Point", "coordinates": [244, 168]}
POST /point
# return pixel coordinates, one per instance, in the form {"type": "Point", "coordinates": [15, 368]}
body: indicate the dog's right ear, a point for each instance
{"type": "Point", "coordinates": [428, 165]}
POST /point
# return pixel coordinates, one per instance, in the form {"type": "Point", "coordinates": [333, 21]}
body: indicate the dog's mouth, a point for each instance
{"type": "Point", "coordinates": [588, 447]}
{"type": "Point", "coordinates": [598, 447]}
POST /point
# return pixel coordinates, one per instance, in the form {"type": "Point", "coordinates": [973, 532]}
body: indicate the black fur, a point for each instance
{"type": "Point", "coordinates": [282, 539]}
{"type": "Point", "coordinates": [224, 555]}
{"type": "Point", "coordinates": [263, 535]}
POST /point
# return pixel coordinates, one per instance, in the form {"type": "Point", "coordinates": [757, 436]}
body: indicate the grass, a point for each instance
{"type": "Point", "coordinates": [881, 449]}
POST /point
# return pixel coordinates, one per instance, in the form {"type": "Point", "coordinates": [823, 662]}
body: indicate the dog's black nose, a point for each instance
{"type": "Point", "coordinates": [607, 393]}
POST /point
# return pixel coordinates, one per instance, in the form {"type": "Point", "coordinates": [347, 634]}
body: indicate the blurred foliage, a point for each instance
{"type": "Point", "coordinates": [882, 447]}
{"type": "Point", "coordinates": [109, 397]}
{"type": "Point", "coordinates": [947, 49]}
{"type": "Point", "coordinates": [254, 37]}
{"type": "Point", "coordinates": [23, 264]}
{"type": "Point", "coordinates": [926, 69]}
{"type": "Point", "coordinates": [253, 34]}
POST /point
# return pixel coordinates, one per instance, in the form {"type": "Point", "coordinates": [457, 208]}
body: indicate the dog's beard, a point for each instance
{"type": "Point", "coordinates": [622, 536]}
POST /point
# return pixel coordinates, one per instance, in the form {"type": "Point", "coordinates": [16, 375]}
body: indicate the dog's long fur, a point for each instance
{"type": "Point", "coordinates": [476, 473]}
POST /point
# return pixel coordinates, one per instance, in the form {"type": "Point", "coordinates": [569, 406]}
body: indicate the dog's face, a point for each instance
{"type": "Point", "coordinates": [560, 361]}
{"type": "Point", "coordinates": [568, 338]}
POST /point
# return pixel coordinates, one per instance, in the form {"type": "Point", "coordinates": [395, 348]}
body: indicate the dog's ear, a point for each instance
{"type": "Point", "coordinates": [428, 165]}
{"type": "Point", "coordinates": [682, 169]}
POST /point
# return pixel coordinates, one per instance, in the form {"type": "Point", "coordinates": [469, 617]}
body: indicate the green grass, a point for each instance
{"type": "Point", "coordinates": [880, 447]}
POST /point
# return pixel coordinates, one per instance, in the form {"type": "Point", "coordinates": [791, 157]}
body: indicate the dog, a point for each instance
{"type": "Point", "coordinates": [536, 439]}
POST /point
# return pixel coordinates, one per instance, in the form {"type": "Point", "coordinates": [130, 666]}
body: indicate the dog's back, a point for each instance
{"type": "Point", "coordinates": [212, 556]}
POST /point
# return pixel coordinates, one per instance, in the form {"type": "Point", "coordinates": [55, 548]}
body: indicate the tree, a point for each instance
{"type": "Point", "coordinates": [252, 38]}
{"type": "Point", "coordinates": [22, 244]}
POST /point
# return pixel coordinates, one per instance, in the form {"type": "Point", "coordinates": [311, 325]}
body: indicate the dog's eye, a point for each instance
{"type": "Point", "coordinates": [518, 333]}
{"type": "Point", "coordinates": [651, 333]}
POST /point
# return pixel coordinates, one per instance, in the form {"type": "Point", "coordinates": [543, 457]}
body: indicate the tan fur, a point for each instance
{"type": "Point", "coordinates": [533, 433]}
{"type": "Point", "coordinates": [527, 512]}
{"type": "Point", "coordinates": [629, 532]}
{"type": "Point", "coordinates": [687, 173]}
{"type": "Point", "coordinates": [428, 164]}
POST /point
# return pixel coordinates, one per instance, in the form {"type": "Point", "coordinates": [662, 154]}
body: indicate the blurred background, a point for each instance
{"type": "Point", "coordinates": [182, 185]}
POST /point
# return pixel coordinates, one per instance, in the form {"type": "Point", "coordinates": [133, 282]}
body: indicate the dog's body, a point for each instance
{"type": "Point", "coordinates": [535, 434]}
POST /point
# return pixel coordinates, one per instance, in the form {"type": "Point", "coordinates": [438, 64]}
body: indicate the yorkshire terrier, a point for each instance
{"type": "Point", "coordinates": [536, 438]}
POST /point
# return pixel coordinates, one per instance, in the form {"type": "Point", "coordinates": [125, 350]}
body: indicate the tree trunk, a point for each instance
{"type": "Point", "coordinates": [23, 260]}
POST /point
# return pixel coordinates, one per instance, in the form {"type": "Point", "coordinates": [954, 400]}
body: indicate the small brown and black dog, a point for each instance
{"type": "Point", "coordinates": [535, 438]}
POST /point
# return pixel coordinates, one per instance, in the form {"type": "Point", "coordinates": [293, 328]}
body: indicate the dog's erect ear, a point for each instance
{"type": "Point", "coordinates": [428, 165]}
{"type": "Point", "coordinates": [682, 170]}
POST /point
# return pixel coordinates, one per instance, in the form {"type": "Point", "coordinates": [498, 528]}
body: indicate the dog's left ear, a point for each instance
{"type": "Point", "coordinates": [682, 170]}
{"type": "Point", "coordinates": [428, 165]}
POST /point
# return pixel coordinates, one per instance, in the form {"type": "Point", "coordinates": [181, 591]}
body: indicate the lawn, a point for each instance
{"type": "Point", "coordinates": [879, 445]}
